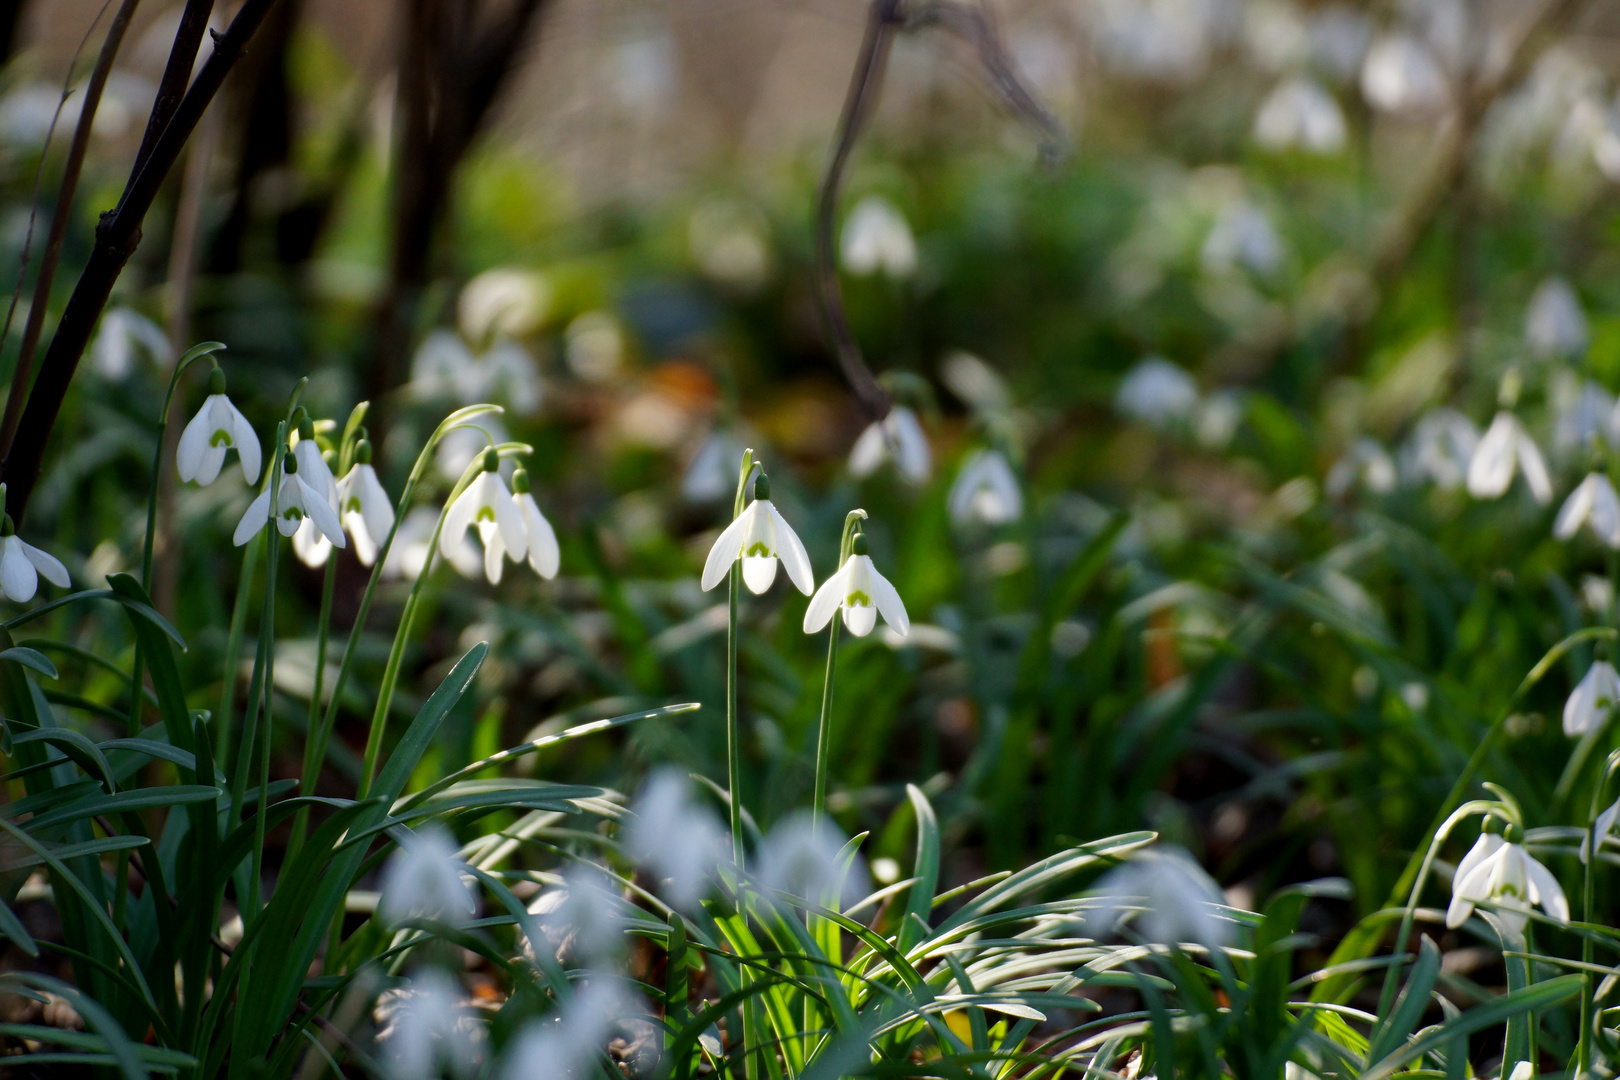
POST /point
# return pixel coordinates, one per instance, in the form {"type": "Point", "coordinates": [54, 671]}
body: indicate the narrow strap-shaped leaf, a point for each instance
{"type": "Point", "coordinates": [159, 658]}
{"type": "Point", "coordinates": [12, 927]}
{"type": "Point", "coordinates": [926, 872]}
{"type": "Point", "coordinates": [30, 658]}
{"type": "Point", "coordinates": [75, 745]}
{"type": "Point", "coordinates": [143, 606]}
{"type": "Point", "coordinates": [1410, 1006]}
{"type": "Point", "coordinates": [136, 799]}
{"type": "Point", "coordinates": [1518, 1002]}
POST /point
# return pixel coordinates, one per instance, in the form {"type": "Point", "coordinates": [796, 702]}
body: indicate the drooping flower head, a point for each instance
{"type": "Point", "coordinates": [801, 857]}
{"type": "Point", "coordinates": [1554, 324]}
{"type": "Point", "coordinates": [876, 237]}
{"type": "Point", "coordinates": [1594, 503]}
{"type": "Point", "coordinates": [860, 593]}
{"type": "Point", "coordinates": [427, 1027]}
{"type": "Point", "coordinates": [309, 543]}
{"type": "Point", "coordinates": [676, 840]}
{"type": "Point", "coordinates": [217, 427]}
{"type": "Point", "coordinates": [986, 490]}
{"type": "Point", "coordinates": [487, 504]}
{"type": "Point", "coordinates": [297, 500]}
{"type": "Point", "coordinates": [1511, 879]}
{"type": "Point", "coordinates": [759, 536]}
{"type": "Point", "coordinates": [1506, 448]}
{"type": "Point", "coordinates": [1178, 901]}
{"type": "Point", "coordinates": [363, 505]}
{"type": "Point", "coordinates": [540, 538]}
{"type": "Point", "coordinates": [899, 436]}
{"type": "Point", "coordinates": [1593, 698]}
{"type": "Point", "coordinates": [422, 880]}
{"type": "Point", "coordinates": [21, 565]}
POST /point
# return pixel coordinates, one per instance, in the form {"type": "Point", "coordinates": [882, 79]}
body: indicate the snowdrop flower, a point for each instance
{"type": "Point", "coordinates": [1339, 39]}
{"type": "Point", "coordinates": [1589, 703]}
{"type": "Point", "coordinates": [1511, 878]}
{"type": "Point", "coordinates": [1157, 393]}
{"type": "Point", "coordinates": [1178, 900]}
{"type": "Point", "coordinates": [1554, 324]}
{"type": "Point", "coordinates": [975, 382]}
{"type": "Point", "coordinates": [413, 543]}
{"type": "Point", "coordinates": [674, 839]}
{"type": "Point", "coordinates": [503, 301]}
{"type": "Point", "coordinates": [21, 564]}
{"type": "Point", "coordinates": [539, 538]}
{"type": "Point", "coordinates": [1242, 236]}
{"type": "Point", "coordinates": [1300, 114]}
{"type": "Point", "coordinates": [423, 881]}
{"type": "Point", "coordinates": [429, 1028]}
{"type": "Point", "coordinates": [567, 1049]}
{"type": "Point", "coordinates": [585, 913]}
{"type": "Point", "coordinates": [986, 490]}
{"type": "Point", "coordinates": [1441, 447]}
{"type": "Point", "coordinates": [311, 463]}
{"type": "Point", "coordinates": [712, 474]}
{"type": "Point", "coordinates": [1490, 839]}
{"type": "Point", "coordinates": [364, 506]}
{"type": "Point", "coordinates": [876, 237]}
{"type": "Point", "coordinates": [121, 331]}
{"type": "Point", "coordinates": [801, 857]}
{"type": "Point", "coordinates": [899, 435]}
{"type": "Point", "coordinates": [216, 428]}
{"type": "Point", "coordinates": [1400, 73]}
{"type": "Point", "coordinates": [1603, 827]}
{"type": "Point", "coordinates": [1592, 503]}
{"type": "Point", "coordinates": [861, 594]}
{"type": "Point", "coordinates": [1584, 416]}
{"type": "Point", "coordinates": [298, 500]}
{"type": "Point", "coordinates": [311, 545]}
{"type": "Point", "coordinates": [487, 504]}
{"type": "Point", "coordinates": [445, 367]}
{"type": "Point", "coordinates": [1505, 447]}
{"type": "Point", "coordinates": [759, 537]}
{"type": "Point", "coordinates": [1366, 462]}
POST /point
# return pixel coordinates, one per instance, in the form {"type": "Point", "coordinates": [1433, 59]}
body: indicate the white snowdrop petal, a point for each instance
{"type": "Point", "coordinates": [47, 564]}
{"type": "Point", "coordinates": [1534, 467]}
{"type": "Point", "coordinates": [868, 452]}
{"type": "Point", "coordinates": [889, 604]}
{"type": "Point", "coordinates": [915, 458]}
{"type": "Point", "coordinates": [545, 557]}
{"type": "Point", "coordinates": [494, 551]}
{"type": "Point", "coordinates": [193, 442]}
{"type": "Point", "coordinates": [1490, 471]}
{"type": "Point", "coordinates": [794, 558]}
{"type": "Point", "coordinates": [758, 571]}
{"type": "Point", "coordinates": [457, 521]}
{"type": "Point", "coordinates": [826, 601]}
{"type": "Point", "coordinates": [17, 575]}
{"type": "Point", "coordinates": [860, 619]}
{"type": "Point", "coordinates": [726, 550]}
{"type": "Point", "coordinates": [311, 547]}
{"type": "Point", "coordinates": [247, 444]}
{"type": "Point", "coordinates": [375, 506]}
{"type": "Point", "coordinates": [1605, 516]}
{"type": "Point", "coordinates": [209, 463]}
{"type": "Point", "coordinates": [317, 507]}
{"type": "Point", "coordinates": [1576, 508]}
{"type": "Point", "coordinates": [1551, 894]}
{"type": "Point", "coordinates": [257, 513]}
{"type": "Point", "coordinates": [507, 518]}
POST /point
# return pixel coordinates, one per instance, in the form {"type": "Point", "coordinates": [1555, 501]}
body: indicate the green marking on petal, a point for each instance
{"type": "Point", "coordinates": [857, 599]}
{"type": "Point", "coordinates": [485, 513]}
{"type": "Point", "coordinates": [220, 437]}
{"type": "Point", "coordinates": [352, 506]}
{"type": "Point", "coordinates": [292, 513]}
{"type": "Point", "coordinates": [758, 549]}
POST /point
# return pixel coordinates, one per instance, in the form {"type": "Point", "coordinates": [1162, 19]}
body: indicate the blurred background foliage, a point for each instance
{"type": "Point", "coordinates": [1329, 219]}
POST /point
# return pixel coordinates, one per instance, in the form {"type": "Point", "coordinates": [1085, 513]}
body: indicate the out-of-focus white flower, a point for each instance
{"type": "Point", "coordinates": [587, 914]}
{"type": "Point", "coordinates": [541, 541]}
{"type": "Point", "coordinates": [1367, 463]}
{"type": "Point", "coordinates": [1339, 39]}
{"type": "Point", "coordinates": [1217, 417]}
{"type": "Point", "coordinates": [800, 857]}
{"type": "Point", "coordinates": [1161, 39]}
{"type": "Point", "coordinates": [1584, 416]}
{"type": "Point", "coordinates": [1242, 236]}
{"type": "Point", "coordinates": [1512, 879]}
{"type": "Point", "coordinates": [986, 490]}
{"type": "Point", "coordinates": [1276, 35]}
{"type": "Point", "coordinates": [712, 473]}
{"type": "Point", "coordinates": [1441, 447]}
{"type": "Point", "coordinates": [422, 880]}
{"type": "Point", "coordinates": [1176, 898]}
{"type": "Point", "coordinates": [1300, 115]}
{"type": "Point", "coordinates": [861, 594]}
{"type": "Point", "coordinates": [311, 545]}
{"type": "Point", "coordinates": [444, 367]}
{"type": "Point", "coordinates": [1554, 324]}
{"type": "Point", "coordinates": [1400, 74]}
{"type": "Point", "coordinates": [217, 427]}
{"type": "Point", "coordinates": [899, 436]}
{"type": "Point", "coordinates": [877, 238]}
{"type": "Point", "coordinates": [975, 382]}
{"type": "Point", "coordinates": [759, 536]}
{"type": "Point", "coordinates": [488, 505]}
{"type": "Point", "coordinates": [566, 1048]}
{"type": "Point", "coordinates": [730, 242]}
{"type": "Point", "coordinates": [297, 501]}
{"type": "Point", "coordinates": [595, 346]}
{"type": "Point", "coordinates": [26, 112]}
{"type": "Point", "coordinates": [1593, 698]}
{"type": "Point", "coordinates": [1594, 503]}
{"type": "Point", "coordinates": [504, 302]}
{"type": "Point", "coordinates": [1506, 448]}
{"type": "Point", "coordinates": [364, 506]}
{"type": "Point", "coordinates": [429, 1029]}
{"type": "Point", "coordinates": [413, 540]}
{"type": "Point", "coordinates": [1603, 826]}
{"type": "Point", "coordinates": [22, 563]}
{"type": "Point", "coordinates": [121, 331]}
{"type": "Point", "coordinates": [679, 842]}
{"type": "Point", "coordinates": [1157, 392]}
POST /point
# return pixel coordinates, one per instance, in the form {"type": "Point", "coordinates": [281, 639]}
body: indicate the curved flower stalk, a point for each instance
{"type": "Point", "coordinates": [1592, 503]}
{"type": "Point", "coordinates": [218, 426]}
{"type": "Point", "coordinates": [1511, 879]}
{"type": "Point", "coordinates": [22, 565]}
{"type": "Point", "coordinates": [859, 593]}
{"type": "Point", "coordinates": [297, 500]}
{"type": "Point", "coordinates": [898, 436]}
{"type": "Point", "coordinates": [757, 538]}
{"type": "Point", "coordinates": [1592, 699]}
{"type": "Point", "coordinates": [986, 490]}
{"type": "Point", "coordinates": [488, 505]}
{"type": "Point", "coordinates": [1507, 448]}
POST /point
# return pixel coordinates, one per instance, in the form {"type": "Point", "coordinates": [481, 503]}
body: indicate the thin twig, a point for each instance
{"type": "Point", "coordinates": [39, 173]}
{"type": "Point", "coordinates": [176, 74]}
{"type": "Point", "coordinates": [116, 239]}
{"type": "Point", "coordinates": [24, 370]}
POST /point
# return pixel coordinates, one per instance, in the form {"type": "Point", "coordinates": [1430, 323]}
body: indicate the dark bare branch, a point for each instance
{"type": "Point", "coordinates": [176, 74]}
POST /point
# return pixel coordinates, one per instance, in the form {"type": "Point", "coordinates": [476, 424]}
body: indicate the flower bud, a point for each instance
{"type": "Point", "coordinates": [362, 451]}
{"type": "Point", "coordinates": [492, 460]}
{"type": "Point", "coordinates": [1512, 833]}
{"type": "Point", "coordinates": [520, 482]}
{"type": "Point", "coordinates": [762, 486]}
{"type": "Point", "coordinates": [216, 381]}
{"type": "Point", "coordinates": [306, 427]}
{"type": "Point", "coordinates": [1493, 825]}
{"type": "Point", "coordinates": [857, 544]}
{"type": "Point", "coordinates": [289, 464]}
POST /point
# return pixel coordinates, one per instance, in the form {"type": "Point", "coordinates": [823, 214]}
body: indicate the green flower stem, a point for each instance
{"type": "Point", "coordinates": [396, 654]}
{"type": "Point", "coordinates": [267, 677]}
{"type": "Point", "coordinates": [733, 738]}
{"type": "Point", "coordinates": [233, 647]}
{"type": "Point", "coordinates": [818, 804]}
